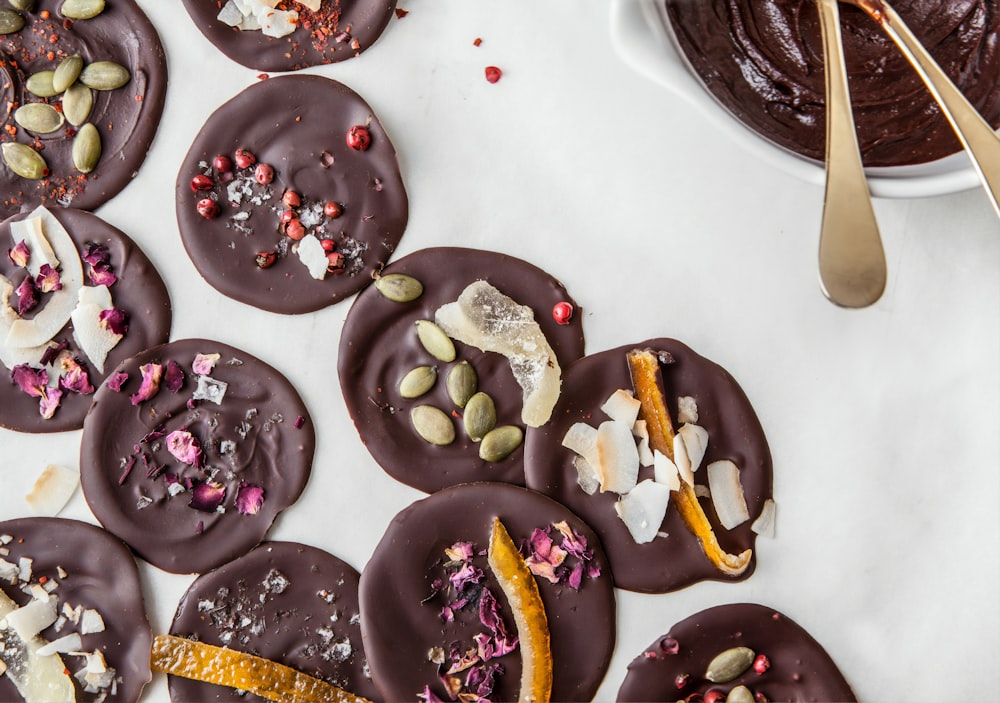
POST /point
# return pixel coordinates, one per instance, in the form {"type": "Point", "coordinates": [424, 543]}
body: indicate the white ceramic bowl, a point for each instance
{"type": "Point", "coordinates": [641, 33]}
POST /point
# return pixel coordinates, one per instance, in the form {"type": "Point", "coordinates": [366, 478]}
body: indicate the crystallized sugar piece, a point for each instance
{"type": "Point", "coordinates": [487, 319]}
{"type": "Point", "coordinates": [210, 389]}
{"type": "Point", "coordinates": [586, 477]}
{"type": "Point", "coordinates": [687, 410]}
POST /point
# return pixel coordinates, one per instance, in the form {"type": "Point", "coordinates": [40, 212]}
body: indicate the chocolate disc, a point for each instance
{"type": "Point", "coordinates": [286, 602]}
{"type": "Point", "coordinates": [94, 571]}
{"type": "Point", "coordinates": [188, 482]}
{"type": "Point", "coordinates": [797, 668]}
{"type": "Point", "coordinates": [137, 289]}
{"type": "Point", "coordinates": [126, 118]}
{"type": "Point", "coordinates": [415, 598]}
{"type": "Point", "coordinates": [297, 127]}
{"type": "Point", "coordinates": [379, 346]}
{"type": "Point", "coordinates": [734, 433]}
{"type": "Point", "coordinates": [338, 30]}
{"type": "Point", "coordinates": [766, 67]}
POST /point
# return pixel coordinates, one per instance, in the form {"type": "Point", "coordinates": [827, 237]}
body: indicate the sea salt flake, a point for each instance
{"type": "Point", "coordinates": [210, 389]}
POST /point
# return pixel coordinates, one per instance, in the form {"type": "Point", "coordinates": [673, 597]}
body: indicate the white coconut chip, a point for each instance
{"type": "Point", "coordinates": [682, 460]}
{"type": "Point", "coordinates": [68, 643]}
{"type": "Point", "coordinates": [278, 23]}
{"type": "Point", "coordinates": [687, 410]}
{"type": "Point", "coordinates": [230, 14]}
{"type": "Point", "coordinates": [764, 524]}
{"type": "Point", "coordinates": [695, 443]}
{"type": "Point", "coordinates": [617, 458]}
{"type": "Point", "coordinates": [37, 678]}
{"type": "Point", "coordinates": [91, 622]}
{"type": "Point", "coordinates": [311, 4]}
{"type": "Point", "coordinates": [33, 617]}
{"type": "Point", "coordinates": [53, 489]}
{"type": "Point", "coordinates": [29, 230]}
{"type": "Point", "coordinates": [8, 571]}
{"type": "Point", "coordinates": [621, 406]}
{"type": "Point", "coordinates": [641, 432]}
{"type": "Point", "coordinates": [642, 510]}
{"type": "Point", "coordinates": [727, 493]}
{"type": "Point", "coordinates": [312, 255]}
{"type": "Point", "coordinates": [665, 471]}
{"type": "Point", "coordinates": [582, 439]}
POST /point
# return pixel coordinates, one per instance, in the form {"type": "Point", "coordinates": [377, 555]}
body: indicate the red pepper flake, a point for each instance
{"type": "Point", "coordinates": [493, 74]}
{"type": "Point", "coordinates": [761, 663]}
{"type": "Point", "coordinates": [401, 13]}
{"type": "Point", "coordinates": [43, 579]}
{"type": "Point", "coordinates": [477, 41]}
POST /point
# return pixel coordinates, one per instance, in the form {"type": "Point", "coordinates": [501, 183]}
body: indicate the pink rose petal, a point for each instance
{"type": "Point", "coordinates": [184, 447]}
{"type": "Point", "coordinates": [19, 255]}
{"type": "Point", "coordinates": [29, 380]}
{"type": "Point", "coordinates": [48, 279]}
{"type": "Point", "coordinates": [249, 498]}
{"type": "Point", "coordinates": [207, 496]}
{"type": "Point", "coordinates": [150, 386]}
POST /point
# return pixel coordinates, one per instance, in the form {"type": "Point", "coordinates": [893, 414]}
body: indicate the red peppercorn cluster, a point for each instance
{"type": "Point", "coordinates": [223, 166]}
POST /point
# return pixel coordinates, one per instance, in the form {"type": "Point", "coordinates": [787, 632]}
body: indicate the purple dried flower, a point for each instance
{"type": "Point", "coordinates": [95, 253]}
{"type": "Point", "coordinates": [576, 576]}
{"type": "Point", "coordinates": [27, 296]}
{"type": "Point", "coordinates": [52, 353]}
{"type": "Point", "coordinates": [460, 551]}
{"type": "Point", "coordinates": [184, 447]}
{"type": "Point", "coordinates": [114, 320]}
{"type": "Point", "coordinates": [204, 363]}
{"type": "Point", "coordinates": [207, 496]}
{"type": "Point", "coordinates": [429, 696]}
{"type": "Point", "coordinates": [150, 386]}
{"type": "Point", "coordinates": [173, 377]}
{"type": "Point", "coordinates": [574, 543]}
{"type": "Point", "coordinates": [447, 614]}
{"type": "Point", "coordinates": [593, 570]}
{"type": "Point", "coordinates": [48, 279]}
{"type": "Point", "coordinates": [249, 498]}
{"type": "Point", "coordinates": [49, 403]}
{"type": "Point", "coordinates": [101, 275]}
{"type": "Point", "coordinates": [116, 380]}
{"type": "Point", "coordinates": [465, 575]}
{"type": "Point", "coordinates": [75, 378]}
{"type": "Point", "coordinates": [29, 380]}
{"type": "Point", "coordinates": [299, 422]}
{"type": "Point", "coordinates": [545, 556]}
{"type": "Point", "coordinates": [19, 255]}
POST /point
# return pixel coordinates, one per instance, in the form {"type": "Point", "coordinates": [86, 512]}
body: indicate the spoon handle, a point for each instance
{"type": "Point", "coordinates": [851, 259]}
{"type": "Point", "coordinates": [977, 136]}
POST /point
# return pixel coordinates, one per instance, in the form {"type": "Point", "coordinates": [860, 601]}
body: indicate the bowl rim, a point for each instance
{"type": "Point", "coordinates": [642, 37]}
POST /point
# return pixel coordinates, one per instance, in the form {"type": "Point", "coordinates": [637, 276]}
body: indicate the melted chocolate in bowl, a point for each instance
{"type": "Point", "coordinates": [763, 61]}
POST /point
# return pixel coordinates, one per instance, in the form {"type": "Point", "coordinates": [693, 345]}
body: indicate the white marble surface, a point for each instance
{"type": "Point", "coordinates": [882, 422]}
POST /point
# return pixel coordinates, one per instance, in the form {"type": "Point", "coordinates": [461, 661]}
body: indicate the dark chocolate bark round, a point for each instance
{"type": "Point", "coordinates": [379, 346]}
{"type": "Point", "coordinates": [338, 30]}
{"type": "Point", "coordinates": [192, 475]}
{"type": "Point", "coordinates": [136, 288]}
{"type": "Point", "coordinates": [797, 668]}
{"type": "Point", "coordinates": [93, 571]}
{"type": "Point", "coordinates": [290, 603]}
{"type": "Point", "coordinates": [250, 249]}
{"type": "Point", "coordinates": [126, 118]}
{"type": "Point", "coordinates": [419, 602]}
{"type": "Point", "coordinates": [764, 63]}
{"type": "Point", "coordinates": [734, 433]}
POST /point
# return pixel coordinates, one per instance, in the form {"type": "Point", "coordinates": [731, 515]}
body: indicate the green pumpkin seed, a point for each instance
{"type": "Point", "coordinates": [10, 21]}
{"type": "Point", "coordinates": [435, 341]}
{"type": "Point", "coordinates": [82, 9]}
{"type": "Point", "coordinates": [26, 5]}
{"type": "Point", "coordinates": [399, 287]}
{"type": "Point", "coordinates": [86, 148]}
{"type": "Point", "coordinates": [729, 664]}
{"type": "Point", "coordinates": [480, 416]}
{"type": "Point", "coordinates": [77, 102]}
{"type": "Point", "coordinates": [67, 72]}
{"type": "Point", "coordinates": [40, 84]}
{"type": "Point", "coordinates": [740, 694]}
{"type": "Point", "coordinates": [418, 381]}
{"type": "Point", "coordinates": [40, 118]}
{"type": "Point", "coordinates": [498, 443]}
{"type": "Point", "coordinates": [462, 383]}
{"type": "Point", "coordinates": [433, 425]}
{"type": "Point", "coordinates": [24, 161]}
{"type": "Point", "coordinates": [104, 75]}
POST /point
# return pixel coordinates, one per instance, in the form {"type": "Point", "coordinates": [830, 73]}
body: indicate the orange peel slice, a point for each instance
{"type": "Point", "coordinates": [521, 590]}
{"type": "Point", "coordinates": [647, 382]}
{"type": "Point", "coordinates": [227, 667]}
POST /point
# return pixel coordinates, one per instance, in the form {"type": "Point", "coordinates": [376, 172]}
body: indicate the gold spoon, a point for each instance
{"type": "Point", "coordinates": [852, 266]}
{"type": "Point", "coordinates": [981, 143]}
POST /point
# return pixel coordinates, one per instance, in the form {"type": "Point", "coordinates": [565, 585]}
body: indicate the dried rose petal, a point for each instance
{"type": "Point", "coordinates": [150, 386]}
{"type": "Point", "coordinates": [249, 498]}
{"type": "Point", "coordinates": [101, 275]}
{"type": "Point", "coordinates": [545, 556]}
{"type": "Point", "coordinates": [49, 403]}
{"type": "Point", "coordinates": [95, 253]}
{"type": "Point", "coordinates": [114, 320]}
{"type": "Point", "coordinates": [204, 363]}
{"type": "Point", "coordinates": [27, 296]}
{"type": "Point", "coordinates": [20, 254]}
{"type": "Point", "coordinates": [48, 279]}
{"type": "Point", "coordinates": [75, 378]}
{"type": "Point", "coordinates": [127, 470]}
{"type": "Point", "coordinates": [173, 376]}
{"type": "Point", "coordinates": [52, 352]}
{"type": "Point", "coordinates": [299, 422]}
{"type": "Point", "coordinates": [207, 496]}
{"type": "Point", "coordinates": [447, 614]}
{"type": "Point", "coordinates": [116, 380]}
{"type": "Point", "coordinates": [465, 575]}
{"type": "Point", "coordinates": [429, 696]}
{"type": "Point", "coordinates": [572, 542]}
{"type": "Point", "coordinates": [460, 551]}
{"type": "Point", "coordinates": [184, 447]}
{"type": "Point", "coordinates": [575, 579]}
{"type": "Point", "coordinates": [30, 380]}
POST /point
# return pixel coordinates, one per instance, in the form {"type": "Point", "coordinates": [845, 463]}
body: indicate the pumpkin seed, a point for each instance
{"type": "Point", "coordinates": [498, 443]}
{"type": "Point", "coordinates": [399, 287]}
{"type": "Point", "coordinates": [433, 425]}
{"type": "Point", "coordinates": [67, 72]}
{"type": "Point", "coordinates": [418, 381]}
{"type": "Point", "coordinates": [740, 694]}
{"type": "Point", "coordinates": [480, 416]}
{"type": "Point", "coordinates": [462, 383]}
{"type": "Point", "coordinates": [104, 75]}
{"type": "Point", "coordinates": [435, 341]}
{"type": "Point", "coordinates": [77, 102]}
{"type": "Point", "coordinates": [10, 21]}
{"type": "Point", "coordinates": [86, 148]}
{"type": "Point", "coordinates": [40, 118]}
{"type": "Point", "coordinates": [82, 9]}
{"type": "Point", "coordinates": [40, 84]}
{"type": "Point", "coordinates": [25, 161]}
{"type": "Point", "coordinates": [26, 5]}
{"type": "Point", "coordinates": [729, 664]}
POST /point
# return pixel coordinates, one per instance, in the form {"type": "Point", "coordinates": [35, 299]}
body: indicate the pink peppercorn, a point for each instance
{"type": "Point", "coordinates": [714, 696]}
{"type": "Point", "coordinates": [333, 210]}
{"type": "Point", "coordinates": [291, 199]}
{"type": "Point", "coordinates": [207, 208]}
{"type": "Point", "coordinates": [761, 664]}
{"type": "Point", "coordinates": [493, 74]}
{"type": "Point", "coordinates": [295, 230]}
{"type": "Point", "coordinates": [562, 313]}
{"type": "Point", "coordinates": [359, 138]}
{"type": "Point", "coordinates": [244, 158]}
{"type": "Point", "coordinates": [263, 174]}
{"type": "Point", "coordinates": [201, 182]}
{"type": "Point", "coordinates": [335, 262]}
{"type": "Point", "coordinates": [222, 163]}
{"type": "Point", "coordinates": [327, 244]}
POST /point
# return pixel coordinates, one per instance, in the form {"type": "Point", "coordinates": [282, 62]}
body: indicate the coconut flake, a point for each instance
{"type": "Point", "coordinates": [230, 14]}
{"type": "Point", "coordinates": [727, 493]}
{"type": "Point", "coordinates": [278, 23]}
{"type": "Point", "coordinates": [33, 617]}
{"type": "Point", "coordinates": [641, 432]}
{"type": "Point", "coordinates": [687, 410]}
{"type": "Point", "coordinates": [621, 406]}
{"type": "Point", "coordinates": [642, 510]}
{"type": "Point", "coordinates": [764, 524]}
{"type": "Point", "coordinates": [582, 439]}
{"type": "Point", "coordinates": [53, 489]}
{"type": "Point", "coordinates": [617, 457]}
{"type": "Point", "coordinates": [69, 643]}
{"type": "Point", "coordinates": [695, 443]}
{"type": "Point", "coordinates": [91, 621]}
{"type": "Point", "coordinates": [682, 460]}
{"type": "Point", "coordinates": [665, 471]}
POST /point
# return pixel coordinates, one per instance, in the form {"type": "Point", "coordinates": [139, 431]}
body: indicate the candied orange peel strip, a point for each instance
{"type": "Point", "coordinates": [525, 601]}
{"type": "Point", "coordinates": [227, 667]}
{"type": "Point", "coordinates": [647, 379]}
